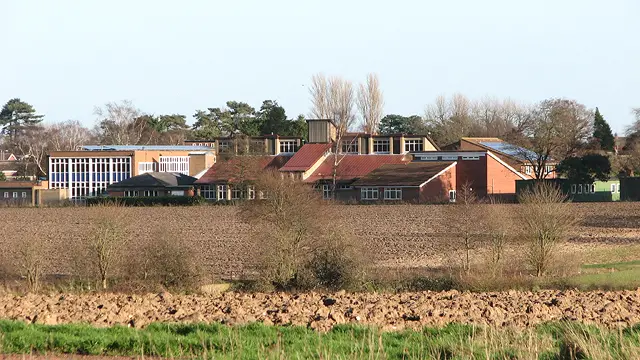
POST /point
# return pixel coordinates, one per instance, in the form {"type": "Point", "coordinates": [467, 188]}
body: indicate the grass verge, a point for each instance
{"type": "Point", "coordinates": [607, 276]}
{"type": "Point", "coordinates": [257, 341]}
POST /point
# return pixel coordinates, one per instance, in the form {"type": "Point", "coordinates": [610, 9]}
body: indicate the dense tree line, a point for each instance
{"type": "Point", "coordinates": [553, 129]}
{"type": "Point", "coordinates": [25, 133]}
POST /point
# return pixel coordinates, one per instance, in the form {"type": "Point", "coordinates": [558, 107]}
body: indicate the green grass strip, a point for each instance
{"type": "Point", "coordinates": [257, 341]}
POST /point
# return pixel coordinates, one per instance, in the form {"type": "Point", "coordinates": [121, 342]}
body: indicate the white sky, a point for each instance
{"type": "Point", "coordinates": [67, 56]}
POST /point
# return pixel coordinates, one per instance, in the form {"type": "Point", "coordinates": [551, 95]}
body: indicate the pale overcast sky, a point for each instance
{"type": "Point", "coordinates": [168, 56]}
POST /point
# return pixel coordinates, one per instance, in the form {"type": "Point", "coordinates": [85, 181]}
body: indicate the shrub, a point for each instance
{"type": "Point", "coordinates": [165, 260]}
{"type": "Point", "coordinates": [546, 220]}
{"type": "Point", "coordinates": [299, 244]}
{"type": "Point", "coordinates": [148, 201]}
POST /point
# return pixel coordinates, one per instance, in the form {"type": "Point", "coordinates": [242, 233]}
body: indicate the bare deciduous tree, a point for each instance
{"type": "Point", "coordinates": [121, 124]}
{"type": "Point", "coordinates": [334, 99]}
{"type": "Point", "coordinates": [320, 103]}
{"type": "Point", "coordinates": [370, 103]}
{"type": "Point", "coordinates": [106, 243]}
{"type": "Point", "coordinates": [556, 129]}
{"type": "Point", "coordinates": [545, 218]}
{"type": "Point", "coordinates": [33, 147]}
{"type": "Point", "coordinates": [68, 136]}
{"type": "Point", "coordinates": [449, 120]}
{"type": "Point", "coordinates": [497, 117]}
{"type": "Point", "coordinates": [290, 233]}
{"type": "Point", "coordinates": [498, 224]}
{"type": "Point", "coordinates": [465, 213]}
{"type": "Point", "coordinates": [31, 253]}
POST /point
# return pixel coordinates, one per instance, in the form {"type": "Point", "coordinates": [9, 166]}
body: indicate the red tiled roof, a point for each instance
{"type": "Point", "coordinates": [353, 167]}
{"type": "Point", "coordinates": [231, 170]}
{"type": "Point", "coordinates": [304, 158]}
{"type": "Point", "coordinates": [410, 174]}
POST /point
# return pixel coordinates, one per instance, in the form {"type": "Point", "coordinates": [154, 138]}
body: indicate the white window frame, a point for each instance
{"type": "Point", "coordinates": [221, 192]}
{"type": "Point", "coordinates": [288, 146]}
{"type": "Point", "coordinates": [15, 194]}
{"type": "Point", "coordinates": [224, 145]}
{"type": "Point", "coordinates": [574, 188]}
{"type": "Point", "coordinates": [6, 194]}
{"type": "Point", "coordinates": [150, 193]}
{"type": "Point", "coordinates": [413, 145]}
{"type": "Point", "coordinates": [615, 188]}
{"type": "Point", "coordinates": [549, 169]}
{"type": "Point", "coordinates": [579, 188]}
{"type": "Point", "coordinates": [236, 194]}
{"type": "Point", "coordinates": [350, 146]}
{"type": "Point", "coordinates": [471, 158]}
{"type": "Point", "coordinates": [528, 169]}
{"type": "Point", "coordinates": [146, 167]}
{"type": "Point", "coordinates": [452, 196]}
{"type": "Point", "coordinates": [24, 194]}
{"type": "Point", "coordinates": [432, 158]}
{"type": "Point", "coordinates": [208, 192]}
{"type": "Point", "coordinates": [174, 164]}
{"type": "Point", "coordinates": [447, 157]}
{"type": "Point", "coordinates": [131, 193]}
{"type": "Point", "coordinates": [393, 193]}
{"type": "Point", "coordinates": [379, 146]}
{"type": "Point", "coordinates": [345, 187]}
{"type": "Point", "coordinates": [251, 192]}
{"type": "Point", "coordinates": [593, 188]}
{"type": "Point", "coordinates": [369, 193]}
{"type": "Point", "coordinates": [326, 192]}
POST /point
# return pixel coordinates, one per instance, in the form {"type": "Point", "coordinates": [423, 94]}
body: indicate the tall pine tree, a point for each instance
{"type": "Point", "coordinates": [17, 116]}
{"type": "Point", "coordinates": [602, 132]}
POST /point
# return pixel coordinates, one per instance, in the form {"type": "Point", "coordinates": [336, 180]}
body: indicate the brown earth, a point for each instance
{"type": "Point", "coordinates": [395, 235]}
{"type": "Point", "coordinates": [323, 311]}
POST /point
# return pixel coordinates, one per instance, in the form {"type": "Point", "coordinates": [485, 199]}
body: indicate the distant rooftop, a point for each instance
{"type": "Point", "coordinates": [509, 149]}
{"type": "Point", "coordinates": [144, 147]}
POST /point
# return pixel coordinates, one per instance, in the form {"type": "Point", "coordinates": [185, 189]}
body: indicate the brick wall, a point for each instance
{"type": "Point", "coordinates": [437, 190]}
{"type": "Point", "coordinates": [473, 172]}
{"type": "Point", "coordinates": [500, 180]}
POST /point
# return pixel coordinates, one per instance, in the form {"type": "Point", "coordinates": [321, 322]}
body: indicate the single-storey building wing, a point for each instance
{"type": "Point", "coordinates": [220, 181]}
{"type": "Point", "coordinates": [350, 168]}
{"type": "Point", "coordinates": [483, 171]}
{"type": "Point", "coordinates": [515, 156]}
{"type": "Point", "coordinates": [423, 182]}
{"type": "Point", "coordinates": [88, 171]}
{"type": "Point", "coordinates": [154, 184]}
{"type": "Point", "coordinates": [29, 193]}
{"type": "Point", "coordinates": [598, 191]}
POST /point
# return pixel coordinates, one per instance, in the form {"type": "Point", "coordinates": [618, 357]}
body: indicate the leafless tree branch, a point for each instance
{"type": "Point", "coordinates": [370, 103]}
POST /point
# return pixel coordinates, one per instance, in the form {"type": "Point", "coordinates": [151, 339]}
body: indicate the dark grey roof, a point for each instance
{"type": "Point", "coordinates": [144, 147]}
{"type": "Point", "coordinates": [156, 179]}
{"type": "Point", "coordinates": [409, 174]}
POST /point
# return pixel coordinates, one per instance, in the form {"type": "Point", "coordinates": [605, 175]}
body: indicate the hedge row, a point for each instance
{"type": "Point", "coordinates": [148, 201]}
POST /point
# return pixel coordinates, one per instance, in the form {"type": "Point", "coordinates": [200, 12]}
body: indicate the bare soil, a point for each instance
{"type": "Point", "coordinates": [394, 235]}
{"type": "Point", "coordinates": [323, 311]}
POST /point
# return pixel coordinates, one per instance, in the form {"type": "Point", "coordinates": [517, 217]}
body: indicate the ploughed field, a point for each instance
{"type": "Point", "coordinates": [388, 311]}
{"type": "Point", "coordinates": [393, 235]}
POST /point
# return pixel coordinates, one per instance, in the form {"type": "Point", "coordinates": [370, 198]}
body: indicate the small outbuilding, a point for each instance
{"type": "Point", "coordinates": [154, 184]}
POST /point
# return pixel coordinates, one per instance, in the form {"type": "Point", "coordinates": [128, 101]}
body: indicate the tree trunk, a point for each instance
{"type": "Point", "coordinates": [104, 283]}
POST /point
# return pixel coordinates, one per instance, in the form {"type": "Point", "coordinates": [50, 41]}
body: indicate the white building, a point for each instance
{"type": "Point", "coordinates": [87, 172]}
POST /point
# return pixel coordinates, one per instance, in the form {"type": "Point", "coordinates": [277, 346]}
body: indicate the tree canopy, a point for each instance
{"type": "Point", "coordinates": [554, 130]}
{"type": "Point", "coordinates": [585, 169]}
{"type": "Point", "coordinates": [602, 133]}
{"type": "Point", "coordinates": [396, 124]}
{"type": "Point", "coordinates": [16, 116]}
